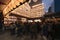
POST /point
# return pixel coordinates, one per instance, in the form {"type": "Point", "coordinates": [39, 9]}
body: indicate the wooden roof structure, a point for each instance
{"type": "Point", "coordinates": [26, 10]}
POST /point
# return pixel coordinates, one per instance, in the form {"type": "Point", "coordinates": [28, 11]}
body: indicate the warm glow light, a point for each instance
{"type": "Point", "coordinates": [37, 20]}
{"type": "Point", "coordinates": [35, 11]}
{"type": "Point", "coordinates": [25, 9]}
{"type": "Point", "coordinates": [12, 5]}
{"type": "Point", "coordinates": [30, 21]}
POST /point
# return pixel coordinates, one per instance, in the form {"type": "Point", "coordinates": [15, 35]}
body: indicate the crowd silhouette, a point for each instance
{"type": "Point", "coordinates": [45, 29]}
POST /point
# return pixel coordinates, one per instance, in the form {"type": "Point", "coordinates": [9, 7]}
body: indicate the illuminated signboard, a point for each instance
{"type": "Point", "coordinates": [12, 5]}
{"type": "Point", "coordinates": [26, 10]}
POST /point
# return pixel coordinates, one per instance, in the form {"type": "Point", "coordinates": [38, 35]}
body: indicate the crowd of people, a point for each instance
{"type": "Point", "coordinates": [45, 29]}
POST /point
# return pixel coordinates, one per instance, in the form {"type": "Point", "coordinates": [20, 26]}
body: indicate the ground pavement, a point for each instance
{"type": "Point", "coordinates": [7, 36]}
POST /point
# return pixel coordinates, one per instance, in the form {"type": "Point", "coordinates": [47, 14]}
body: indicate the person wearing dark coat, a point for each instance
{"type": "Point", "coordinates": [19, 27]}
{"type": "Point", "coordinates": [12, 27]}
{"type": "Point", "coordinates": [26, 28]}
{"type": "Point", "coordinates": [38, 24]}
{"type": "Point", "coordinates": [44, 31]}
{"type": "Point", "coordinates": [33, 31]}
{"type": "Point", "coordinates": [1, 21]}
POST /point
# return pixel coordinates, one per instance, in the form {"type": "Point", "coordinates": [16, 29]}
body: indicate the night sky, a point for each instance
{"type": "Point", "coordinates": [47, 4]}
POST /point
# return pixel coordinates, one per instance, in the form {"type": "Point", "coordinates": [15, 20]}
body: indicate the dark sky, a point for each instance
{"type": "Point", "coordinates": [57, 5]}
{"type": "Point", "coordinates": [47, 4]}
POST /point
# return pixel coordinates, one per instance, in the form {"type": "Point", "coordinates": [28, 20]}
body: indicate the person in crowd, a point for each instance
{"type": "Point", "coordinates": [1, 21]}
{"type": "Point", "coordinates": [57, 30]}
{"type": "Point", "coordinates": [45, 31]}
{"type": "Point", "coordinates": [19, 28]}
{"type": "Point", "coordinates": [38, 24]}
{"type": "Point", "coordinates": [50, 30]}
{"type": "Point", "coordinates": [22, 29]}
{"type": "Point", "coordinates": [33, 31]}
{"type": "Point", "coordinates": [27, 28]}
{"type": "Point", "coordinates": [53, 30]}
{"type": "Point", "coordinates": [12, 27]}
